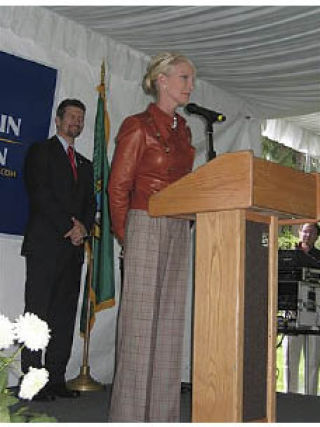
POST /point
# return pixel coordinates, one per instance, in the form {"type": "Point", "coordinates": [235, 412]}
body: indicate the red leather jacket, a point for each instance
{"type": "Point", "coordinates": [149, 155]}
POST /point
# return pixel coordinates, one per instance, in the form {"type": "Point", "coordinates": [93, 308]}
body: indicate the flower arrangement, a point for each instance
{"type": "Point", "coordinates": [31, 332]}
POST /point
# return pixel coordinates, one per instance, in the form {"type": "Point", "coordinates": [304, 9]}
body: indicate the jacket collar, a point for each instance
{"type": "Point", "coordinates": [161, 117]}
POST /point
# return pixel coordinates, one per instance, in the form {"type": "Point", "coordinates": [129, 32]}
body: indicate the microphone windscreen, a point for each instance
{"type": "Point", "coordinates": [191, 108]}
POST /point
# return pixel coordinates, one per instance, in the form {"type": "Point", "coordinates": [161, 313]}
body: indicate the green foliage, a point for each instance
{"type": "Point", "coordinates": [11, 414]}
{"type": "Point", "coordinates": [3, 374]}
{"type": "Point", "coordinates": [279, 153]}
{"type": "Point", "coordinates": [286, 238]}
{"type": "Point", "coordinates": [287, 156]}
{"type": "Point", "coordinates": [24, 415]}
{"type": "Point", "coordinates": [8, 412]}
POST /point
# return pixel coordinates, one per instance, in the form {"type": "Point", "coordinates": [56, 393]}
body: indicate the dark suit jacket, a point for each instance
{"type": "Point", "coordinates": [55, 197]}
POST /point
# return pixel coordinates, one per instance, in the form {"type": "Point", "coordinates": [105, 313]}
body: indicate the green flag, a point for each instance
{"type": "Point", "coordinates": [102, 262]}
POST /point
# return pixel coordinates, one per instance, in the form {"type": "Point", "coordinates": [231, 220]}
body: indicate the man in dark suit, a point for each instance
{"type": "Point", "coordinates": [62, 207]}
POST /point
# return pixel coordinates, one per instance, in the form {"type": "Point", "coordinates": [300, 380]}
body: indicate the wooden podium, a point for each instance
{"type": "Point", "coordinates": [234, 371]}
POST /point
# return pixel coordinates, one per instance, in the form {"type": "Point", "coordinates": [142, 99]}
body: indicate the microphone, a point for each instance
{"type": "Point", "coordinates": [210, 115]}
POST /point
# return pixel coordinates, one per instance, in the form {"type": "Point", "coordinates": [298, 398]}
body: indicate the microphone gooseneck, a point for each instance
{"type": "Point", "coordinates": [209, 115]}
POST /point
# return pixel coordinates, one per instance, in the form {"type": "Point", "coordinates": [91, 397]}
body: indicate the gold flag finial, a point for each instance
{"type": "Point", "coordinates": [102, 91]}
{"type": "Point", "coordinates": [101, 87]}
{"type": "Point", "coordinates": [103, 72]}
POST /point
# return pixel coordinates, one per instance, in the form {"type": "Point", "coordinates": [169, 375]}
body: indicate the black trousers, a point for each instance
{"type": "Point", "coordinates": [52, 292]}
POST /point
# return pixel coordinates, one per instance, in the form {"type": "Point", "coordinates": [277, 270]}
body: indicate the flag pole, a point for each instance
{"type": "Point", "coordinates": [84, 382]}
{"type": "Point", "coordinates": [90, 252]}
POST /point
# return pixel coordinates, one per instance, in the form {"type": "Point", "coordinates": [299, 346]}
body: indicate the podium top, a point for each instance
{"type": "Point", "coordinates": [241, 181]}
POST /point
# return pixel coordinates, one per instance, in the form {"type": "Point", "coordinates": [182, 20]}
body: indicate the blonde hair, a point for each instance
{"type": "Point", "coordinates": [161, 64]}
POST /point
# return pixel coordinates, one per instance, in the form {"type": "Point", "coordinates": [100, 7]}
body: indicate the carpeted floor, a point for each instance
{"type": "Point", "coordinates": [92, 407]}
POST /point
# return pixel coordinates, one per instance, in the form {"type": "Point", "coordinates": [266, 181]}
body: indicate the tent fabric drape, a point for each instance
{"type": "Point", "coordinates": [291, 134]}
{"type": "Point", "coordinates": [267, 55]}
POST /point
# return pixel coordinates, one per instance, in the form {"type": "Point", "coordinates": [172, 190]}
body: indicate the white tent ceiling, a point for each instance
{"type": "Point", "coordinates": [267, 55]}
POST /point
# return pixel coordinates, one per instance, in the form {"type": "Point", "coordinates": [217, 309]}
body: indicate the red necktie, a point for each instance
{"type": "Point", "coordinates": [72, 162]}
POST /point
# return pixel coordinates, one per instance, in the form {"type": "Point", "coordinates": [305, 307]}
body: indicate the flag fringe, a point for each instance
{"type": "Point", "coordinates": [106, 304]}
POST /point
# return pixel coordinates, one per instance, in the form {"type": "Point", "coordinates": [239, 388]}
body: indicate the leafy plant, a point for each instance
{"type": "Point", "coordinates": [287, 156]}
{"type": "Point", "coordinates": [286, 238]}
{"type": "Point", "coordinates": [33, 333]}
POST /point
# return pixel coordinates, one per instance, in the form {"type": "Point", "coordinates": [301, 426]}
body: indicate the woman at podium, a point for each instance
{"type": "Point", "coordinates": [153, 149]}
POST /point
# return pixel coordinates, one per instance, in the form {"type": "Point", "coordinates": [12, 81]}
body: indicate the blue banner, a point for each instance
{"type": "Point", "coordinates": [27, 92]}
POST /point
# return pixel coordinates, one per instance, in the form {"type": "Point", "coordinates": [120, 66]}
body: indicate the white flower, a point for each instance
{"type": "Point", "coordinates": [7, 335]}
{"type": "Point", "coordinates": [33, 382]}
{"type": "Point", "coordinates": [32, 331]}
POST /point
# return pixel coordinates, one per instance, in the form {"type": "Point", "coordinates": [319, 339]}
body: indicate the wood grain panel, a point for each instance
{"type": "Point", "coordinates": [295, 221]}
{"type": "Point", "coordinates": [241, 181]}
{"type": "Point", "coordinates": [317, 178]}
{"type": "Point", "coordinates": [257, 217]}
{"type": "Point", "coordinates": [283, 189]}
{"type": "Point", "coordinates": [218, 317]}
{"type": "Point", "coordinates": [223, 183]}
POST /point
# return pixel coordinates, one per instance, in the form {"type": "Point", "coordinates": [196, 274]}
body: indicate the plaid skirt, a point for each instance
{"type": "Point", "coordinates": [149, 346]}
